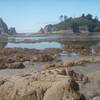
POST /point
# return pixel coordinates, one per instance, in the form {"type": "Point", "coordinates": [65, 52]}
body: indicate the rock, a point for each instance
{"type": "Point", "coordinates": [2, 81]}
{"type": "Point", "coordinates": [96, 98]}
{"type": "Point", "coordinates": [90, 59]}
{"type": "Point", "coordinates": [48, 28]}
{"type": "Point", "coordinates": [16, 65]}
{"type": "Point", "coordinates": [69, 63]}
{"type": "Point", "coordinates": [53, 50]}
{"type": "Point", "coordinates": [10, 60]}
{"type": "Point", "coordinates": [53, 87]}
{"type": "Point", "coordinates": [12, 31]}
{"type": "Point", "coordinates": [82, 50]}
{"type": "Point", "coordinates": [48, 66]}
{"type": "Point", "coordinates": [77, 76]}
{"type": "Point", "coordinates": [62, 72]}
{"type": "Point", "coordinates": [3, 26]}
{"type": "Point", "coordinates": [43, 57]}
{"type": "Point", "coordinates": [52, 66]}
{"type": "Point", "coordinates": [3, 66]}
{"type": "Point", "coordinates": [63, 90]}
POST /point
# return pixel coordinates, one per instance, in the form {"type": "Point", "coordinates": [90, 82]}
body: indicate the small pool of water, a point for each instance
{"type": "Point", "coordinates": [42, 45]}
{"type": "Point", "coordinates": [66, 56]}
{"type": "Point", "coordinates": [36, 37]}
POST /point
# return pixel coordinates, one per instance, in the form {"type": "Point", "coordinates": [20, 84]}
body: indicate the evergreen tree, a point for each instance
{"type": "Point", "coordinates": [89, 16]}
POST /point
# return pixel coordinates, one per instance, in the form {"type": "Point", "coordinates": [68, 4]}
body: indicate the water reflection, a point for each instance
{"type": "Point", "coordinates": [80, 43]}
{"type": "Point", "coordinates": [42, 45]}
{"type": "Point", "coordinates": [3, 40]}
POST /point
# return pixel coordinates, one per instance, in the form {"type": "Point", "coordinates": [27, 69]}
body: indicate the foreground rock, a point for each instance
{"type": "Point", "coordinates": [43, 85]}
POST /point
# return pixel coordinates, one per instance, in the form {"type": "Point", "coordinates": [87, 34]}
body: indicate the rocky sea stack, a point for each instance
{"type": "Point", "coordinates": [12, 31]}
{"type": "Point", "coordinates": [4, 28]}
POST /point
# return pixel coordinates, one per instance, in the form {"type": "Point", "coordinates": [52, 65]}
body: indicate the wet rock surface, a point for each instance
{"type": "Point", "coordinates": [9, 57]}
{"type": "Point", "coordinates": [42, 85]}
{"type": "Point", "coordinates": [92, 88]}
{"type": "Point", "coordinates": [82, 50]}
{"type": "Point", "coordinates": [56, 80]}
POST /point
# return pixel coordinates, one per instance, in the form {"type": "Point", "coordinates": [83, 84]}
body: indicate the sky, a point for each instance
{"type": "Point", "coordinates": [31, 15]}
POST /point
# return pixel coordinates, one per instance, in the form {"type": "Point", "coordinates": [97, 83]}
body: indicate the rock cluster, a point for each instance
{"type": "Point", "coordinates": [9, 57]}
{"type": "Point", "coordinates": [44, 57]}
{"type": "Point", "coordinates": [4, 28]}
{"type": "Point", "coordinates": [82, 50]}
{"type": "Point", "coordinates": [15, 65]}
{"type": "Point", "coordinates": [91, 59]}
{"type": "Point", "coordinates": [40, 86]}
{"type": "Point", "coordinates": [62, 70]}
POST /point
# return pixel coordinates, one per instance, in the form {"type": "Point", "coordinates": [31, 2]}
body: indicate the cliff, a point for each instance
{"type": "Point", "coordinates": [4, 28]}
{"type": "Point", "coordinates": [12, 31]}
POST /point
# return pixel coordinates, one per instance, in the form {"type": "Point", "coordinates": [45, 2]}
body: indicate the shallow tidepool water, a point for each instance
{"type": "Point", "coordinates": [42, 45]}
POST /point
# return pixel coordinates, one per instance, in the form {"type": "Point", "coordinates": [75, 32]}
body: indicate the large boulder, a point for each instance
{"type": "Point", "coordinates": [39, 86]}
{"type": "Point", "coordinates": [63, 90]}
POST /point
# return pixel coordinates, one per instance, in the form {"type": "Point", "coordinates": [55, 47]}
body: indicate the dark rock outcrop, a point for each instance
{"type": "Point", "coordinates": [3, 26]}
{"type": "Point", "coordinates": [12, 31]}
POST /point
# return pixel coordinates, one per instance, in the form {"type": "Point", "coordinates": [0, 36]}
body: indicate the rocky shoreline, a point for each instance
{"type": "Point", "coordinates": [17, 56]}
{"type": "Point", "coordinates": [31, 74]}
{"type": "Point", "coordinates": [56, 40]}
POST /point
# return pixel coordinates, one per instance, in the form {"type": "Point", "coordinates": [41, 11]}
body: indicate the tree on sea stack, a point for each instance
{"type": "Point", "coordinates": [75, 27]}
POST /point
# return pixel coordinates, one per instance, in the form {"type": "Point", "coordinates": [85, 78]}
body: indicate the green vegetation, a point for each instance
{"type": "Point", "coordinates": [88, 44]}
{"type": "Point", "coordinates": [75, 27]}
{"type": "Point", "coordinates": [82, 23]}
